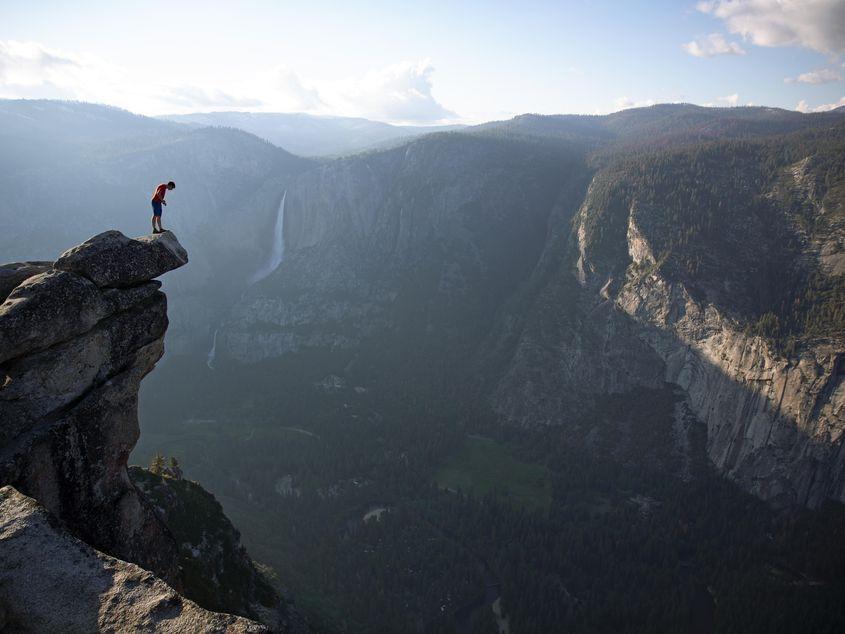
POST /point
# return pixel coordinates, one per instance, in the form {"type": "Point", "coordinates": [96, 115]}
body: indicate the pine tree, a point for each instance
{"type": "Point", "coordinates": [157, 464]}
{"type": "Point", "coordinates": [173, 470]}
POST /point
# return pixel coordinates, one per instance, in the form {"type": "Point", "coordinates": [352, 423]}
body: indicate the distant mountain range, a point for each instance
{"type": "Point", "coordinates": [310, 135]}
{"type": "Point", "coordinates": [610, 309]}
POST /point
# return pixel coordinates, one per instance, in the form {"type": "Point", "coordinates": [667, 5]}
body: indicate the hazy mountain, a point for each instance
{"type": "Point", "coordinates": [631, 302]}
{"type": "Point", "coordinates": [63, 122]}
{"type": "Point", "coordinates": [229, 184]}
{"type": "Point", "coordinates": [311, 135]}
{"type": "Point", "coordinates": [451, 228]}
{"type": "Point", "coordinates": [39, 133]}
{"type": "Point", "coordinates": [662, 125]}
{"type": "Point", "coordinates": [586, 369]}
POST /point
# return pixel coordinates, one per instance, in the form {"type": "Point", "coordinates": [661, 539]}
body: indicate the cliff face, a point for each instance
{"type": "Point", "coordinates": [775, 423]}
{"type": "Point", "coordinates": [54, 582]}
{"type": "Point", "coordinates": [75, 342]}
{"type": "Point", "coordinates": [217, 571]}
{"type": "Point", "coordinates": [538, 282]}
{"type": "Point", "coordinates": [425, 240]}
{"type": "Point", "coordinates": [76, 338]}
{"type": "Point", "coordinates": [775, 414]}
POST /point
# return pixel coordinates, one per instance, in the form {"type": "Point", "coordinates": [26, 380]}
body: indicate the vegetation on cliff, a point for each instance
{"type": "Point", "coordinates": [216, 571]}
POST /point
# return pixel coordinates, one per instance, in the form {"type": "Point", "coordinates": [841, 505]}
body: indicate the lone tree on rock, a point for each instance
{"type": "Point", "coordinates": [157, 464]}
{"type": "Point", "coordinates": [172, 470]}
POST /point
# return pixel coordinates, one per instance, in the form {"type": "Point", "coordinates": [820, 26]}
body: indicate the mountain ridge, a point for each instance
{"type": "Point", "coordinates": [311, 135]}
{"type": "Point", "coordinates": [348, 208]}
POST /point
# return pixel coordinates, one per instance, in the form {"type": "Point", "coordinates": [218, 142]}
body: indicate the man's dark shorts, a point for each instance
{"type": "Point", "coordinates": [156, 209]}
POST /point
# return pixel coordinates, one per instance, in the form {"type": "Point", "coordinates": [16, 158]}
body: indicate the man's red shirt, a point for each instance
{"type": "Point", "coordinates": [158, 195]}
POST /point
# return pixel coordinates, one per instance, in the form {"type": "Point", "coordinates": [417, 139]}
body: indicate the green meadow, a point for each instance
{"type": "Point", "coordinates": [483, 466]}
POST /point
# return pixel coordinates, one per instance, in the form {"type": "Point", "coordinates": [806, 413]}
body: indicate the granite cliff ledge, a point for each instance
{"type": "Point", "coordinates": [76, 338]}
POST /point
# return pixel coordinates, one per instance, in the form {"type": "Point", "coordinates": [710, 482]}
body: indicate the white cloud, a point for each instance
{"type": "Point", "coordinates": [278, 89]}
{"type": "Point", "coordinates": [730, 101]}
{"type": "Point", "coordinates": [712, 45]}
{"type": "Point", "coordinates": [815, 24]}
{"type": "Point", "coordinates": [821, 76]}
{"type": "Point", "coordinates": [196, 97]}
{"type": "Point", "coordinates": [26, 63]}
{"type": "Point", "coordinates": [398, 93]}
{"type": "Point", "coordinates": [289, 92]}
{"type": "Point", "coordinates": [625, 103]}
{"type": "Point", "coordinates": [803, 106]}
{"type": "Point", "coordinates": [38, 71]}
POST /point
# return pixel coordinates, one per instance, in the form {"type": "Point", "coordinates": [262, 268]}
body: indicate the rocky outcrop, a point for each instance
{"type": "Point", "coordinates": [76, 338]}
{"type": "Point", "coordinates": [775, 421]}
{"type": "Point", "coordinates": [72, 355]}
{"type": "Point", "coordinates": [112, 259]}
{"type": "Point", "coordinates": [210, 551]}
{"type": "Point", "coordinates": [11, 275]}
{"type": "Point", "coordinates": [51, 581]}
{"type": "Point", "coordinates": [775, 424]}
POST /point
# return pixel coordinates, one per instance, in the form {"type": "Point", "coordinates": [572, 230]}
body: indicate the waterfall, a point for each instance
{"type": "Point", "coordinates": [277, 252]}
{"type": "Point", "coordinates": [213, 352]}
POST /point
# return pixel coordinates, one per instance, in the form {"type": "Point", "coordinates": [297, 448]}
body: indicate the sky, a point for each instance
{"type": "Point", "coordinates": [424, 62]}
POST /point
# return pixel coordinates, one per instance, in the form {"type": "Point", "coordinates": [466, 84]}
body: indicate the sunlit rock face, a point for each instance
{"type": "Point", "coordinates": [54, 582]}
{"type": "Point", "coordinates": [111, 259]}
{"type": "Point", "coordinates": [775, 414]}
{"type": "Point", "coordinates": [775, 422]}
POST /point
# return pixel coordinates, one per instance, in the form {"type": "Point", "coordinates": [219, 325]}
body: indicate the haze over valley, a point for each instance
{"type": "Point", "coordinates": [591, 322]}
{"type": "Point", "coordinates": [461, 345]}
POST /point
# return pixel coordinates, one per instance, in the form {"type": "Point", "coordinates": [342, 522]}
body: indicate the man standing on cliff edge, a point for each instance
{"type": "Point", "coordinates": [158, 201]}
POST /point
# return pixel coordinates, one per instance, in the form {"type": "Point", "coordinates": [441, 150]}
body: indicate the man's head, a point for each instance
{"type": "Point", "coordinates": [171, 185]}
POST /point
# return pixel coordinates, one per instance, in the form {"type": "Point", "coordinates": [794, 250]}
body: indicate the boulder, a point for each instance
{"type": "Point", "coordinates": [82, 549]}
{"type": "Point", "coordinates": [112, 259]}
{"type": "Point", "coordinates": [122, 299]}
{"type": "Point", "coordinates": [40, 383]}
{"type": "Point", "coordinates": [46, 309]}
{"type": "Point", "coordinates": [52, 582]}
{"type": "Point", "coordinates": [11, 275]}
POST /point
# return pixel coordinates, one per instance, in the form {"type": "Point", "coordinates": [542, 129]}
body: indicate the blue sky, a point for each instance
{"type": "Point", "coordinates": [424, 61]}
